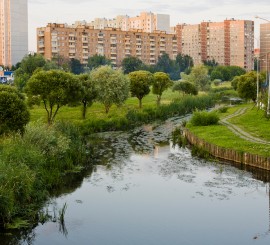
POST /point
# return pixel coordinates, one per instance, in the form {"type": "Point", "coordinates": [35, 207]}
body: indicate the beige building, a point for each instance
{"type": "Point", "coordinates": [265, 46]}
{"type": "Point", "coordinates": [83, 42]}
{"type": "Point", "coordinates": [13, 31]}
{"type": "Point", "coordinates": [230, 42]}
{"type": "Point", "coordinates": [146, 21]}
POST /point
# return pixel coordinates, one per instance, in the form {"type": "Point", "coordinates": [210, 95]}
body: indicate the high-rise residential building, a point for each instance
{"type": "Point", "coordinates": [83, 41]}
{"type": "Point", "coordinates": [265, 47]}
{"type": "Point", "coordinates": [13, 31]}
{"type": "Point", "coordinates": [230, 42]}
{"type": "Point", "coordinates": [146, 21]}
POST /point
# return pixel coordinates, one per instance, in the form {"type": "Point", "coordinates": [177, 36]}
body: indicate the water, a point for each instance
{"type": "Point", "coordinates": [144, 191]}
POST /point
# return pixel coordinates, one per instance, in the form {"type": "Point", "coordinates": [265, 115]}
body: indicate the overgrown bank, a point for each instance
{"type": "Point", "coordinates": [34, 165]}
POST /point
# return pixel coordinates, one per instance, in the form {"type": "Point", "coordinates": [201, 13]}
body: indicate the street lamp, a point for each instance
{"type": "Point", "coordinates": [267, 74]}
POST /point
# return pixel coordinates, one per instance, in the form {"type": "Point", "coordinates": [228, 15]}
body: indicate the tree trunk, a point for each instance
{"type": "Point", "coordinates": [84, 110]}
{"type": "Point", "coordinates": [158, 100]}
{"type": "Point", "coordinates": [140, 103]}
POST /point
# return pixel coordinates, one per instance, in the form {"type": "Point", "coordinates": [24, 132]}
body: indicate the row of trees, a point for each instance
{"type": "Point", "coordinates": [56, 88]}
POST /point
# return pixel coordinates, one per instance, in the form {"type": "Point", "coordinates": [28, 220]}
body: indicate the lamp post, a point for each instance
{"type": "Point", "coordinates": [267, 74]}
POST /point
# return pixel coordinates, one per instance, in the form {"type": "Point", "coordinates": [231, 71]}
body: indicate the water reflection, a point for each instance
{"type": "Point", "coordinates": [144, 191]}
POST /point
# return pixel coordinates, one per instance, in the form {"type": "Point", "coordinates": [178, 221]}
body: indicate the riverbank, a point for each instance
{"type": "Point", "coordinates": [238, 140]}
{"type": "Point", "coordinates": [36, 164]}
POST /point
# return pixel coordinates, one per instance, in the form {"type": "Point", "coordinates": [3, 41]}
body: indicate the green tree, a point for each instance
{"type": "Point", "coordinates": [185, 87]}
{"type": "Point", "coordinates": [184, 61]}
{"type": "Point", "coordinates": [76, 67]}
{"type": "Point", "coordinates": [54, 89]}
{"type": "Point", "coordinates": [199, 76]}
{"type": "Point", "coordinates": [14, 114]}
{"type": "Point", "coordinates": [140, 82]}
{"type": "Point", "coordinates": [112, 86]}
{"type": "Point", "coordinates": [130, 64]}
{"type": "Point", "coordinates": [247, 86]}
{"type": "Point", "coordinates": [161, 82]}
{"type": "Point", "coordinates": [26, 69]}
{"type": "Point", "coordinates": [97, 61]}
{"type": "Point", "coordinates": [89, 92]}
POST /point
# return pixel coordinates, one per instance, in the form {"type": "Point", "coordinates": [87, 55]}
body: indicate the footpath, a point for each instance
{"type": "Point", "coordinates": [238, 131]}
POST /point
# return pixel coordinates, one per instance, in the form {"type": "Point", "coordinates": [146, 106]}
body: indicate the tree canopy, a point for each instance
{"type": "Point", "coordinates": [54, 89]}
{"type": "Point", "coordinates": [97, 60]}
{"type": "Point", "coordinates": [112, 86]}
{"type": "Point", "coordinates": [130, 64]}
{"type": "Point", "coordinates": [185, 87]}
{"type": "Point", "coordinates": [140, 82]}
{"type": "Point", "coordinates": [161, 82]}
{"type": "Point", "coordinates": [14, 114]}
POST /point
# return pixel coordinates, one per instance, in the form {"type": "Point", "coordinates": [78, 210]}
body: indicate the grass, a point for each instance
{"type": "Point", "coordinates": [97, 111]}
{"type": "Point", "coordinates": [252, 122]}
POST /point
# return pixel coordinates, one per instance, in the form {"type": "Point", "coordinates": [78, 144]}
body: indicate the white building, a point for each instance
{"type": "Point", "coordinates": [13, 31]}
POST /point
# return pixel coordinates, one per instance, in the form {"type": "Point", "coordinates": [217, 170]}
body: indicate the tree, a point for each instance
{"type": "Point", "coordinates": [185, 87]}
{"type": "Point", "coordinates": [14, 114]}
{"type": "Point", "coordinates": [199, 77]}
{"type": "Point", "coordinates": [89, 92]}
{"type": "Point", "coordinates": [140, 82]}
{"type": "Point", "coordinates": [54, 89]}
{"type": "Point", "coordinates": [112, 86]}
{"type": "Point", "coordinates": [211, 63]}
{"type": "Point", "coordinates": [161, 82]}
{"type": "Point", "coordinates": [130, 64]}
{"type": "Point", "coordinates": [26, 69]}
{"type": "Point", "coordinates": [75, 66]}
{"type": "Point", "coordinates": [97, 61]}
{"type": "Point", "coordinates": [184, 61]}
{"type": "Point", "coordinates": [247, 86]}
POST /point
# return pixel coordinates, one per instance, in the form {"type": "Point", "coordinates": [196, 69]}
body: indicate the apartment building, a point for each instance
{"type": "Point", "coordinates": [265, 47]}
{"type": "Point", "coordinates": [146, 21]}
{"type": "Point", "coordinates": [83, 41]}
{"type": "Point", "coordinates": [230, 42]}
{"type": "Point", "coordinates": [13, 31]}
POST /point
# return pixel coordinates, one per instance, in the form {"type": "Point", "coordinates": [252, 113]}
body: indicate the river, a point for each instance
{"type": "Point", "coordinates": [144, 191]}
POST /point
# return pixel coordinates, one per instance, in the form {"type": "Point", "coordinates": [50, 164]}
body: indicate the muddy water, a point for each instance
{"type": "Point", "coordinates": [144, 191]}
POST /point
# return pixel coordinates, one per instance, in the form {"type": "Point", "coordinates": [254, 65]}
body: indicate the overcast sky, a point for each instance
{"type": "Point", "coordinates": [42, 12]}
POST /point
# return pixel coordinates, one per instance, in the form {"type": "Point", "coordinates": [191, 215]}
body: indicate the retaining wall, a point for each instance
{"type": "Point", "coordinates": [228, 154]}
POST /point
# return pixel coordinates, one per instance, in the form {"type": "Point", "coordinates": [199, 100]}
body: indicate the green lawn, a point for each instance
{"type": "Point", "coordinates": [252, 122]}
{"type": "Point", "coordinates": [97, 110]}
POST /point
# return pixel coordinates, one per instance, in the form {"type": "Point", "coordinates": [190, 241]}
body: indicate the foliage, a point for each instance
{"type": "Point", "coordinates": [130, 64]}
{"type": "Point", "coordinates": [161, 82]}
{"type": "Point", "coordinates": [76, 67]}
{"type": "Point", "coordinates": [204, 118]}
{"type": "Point", "coordinates": [14, 114]}
{"type": "Point", "coordinates": [112, 86]}
{"type": "Point", "coordinates": [185, 87]}
{"type": "Point", "coordinates": [97, 60]}
{"type": "Point", "coordinates": [211, 63]}
{"type": "Point", "coordinates": [199, 77]}
{"type": "Point", "coordinates": [140, 82]}
{"type": "Point", "coordinates": [89, 92]}
{"type": "Point", "coordinates": [226, 73]}
{"type": "Point", "coordinates": [33, 165]}
{"type": "Point", "coordinates": [26, 69]}
{"type": "Point", "coordinates": [54, 89]}
{"type": "Point", "coordinates": [247, 86]}
{"type": "Point", "coordinates": [184, 61]}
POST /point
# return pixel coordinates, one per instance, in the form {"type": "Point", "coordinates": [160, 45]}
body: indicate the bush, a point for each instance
{"type": "Point", "coordinates": [204, 118]}
{"type": "Point", "coordinates": [223, 109]}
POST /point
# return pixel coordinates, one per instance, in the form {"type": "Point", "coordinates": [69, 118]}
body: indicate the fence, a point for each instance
{"type": "Point", "coordinates": [228, 154]}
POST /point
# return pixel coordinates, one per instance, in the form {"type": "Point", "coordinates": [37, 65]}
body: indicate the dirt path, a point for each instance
{"type": "Point", "coordinates": [238, 131]}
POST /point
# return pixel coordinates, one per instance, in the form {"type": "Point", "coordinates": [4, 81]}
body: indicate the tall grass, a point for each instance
{"type": "Point", "coordinates": [33, 165]}
{"type": "Point", "coordinates": [136, 117]}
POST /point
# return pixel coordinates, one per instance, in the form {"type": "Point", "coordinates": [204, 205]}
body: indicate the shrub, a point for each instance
{"type": "Point", "coordinates": [223, 109]}
{"type": "Point", "coordinates": [204, 118]}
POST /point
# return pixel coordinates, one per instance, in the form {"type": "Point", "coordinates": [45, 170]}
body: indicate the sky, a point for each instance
{"type": "Point", "coordinates": [42, 12]}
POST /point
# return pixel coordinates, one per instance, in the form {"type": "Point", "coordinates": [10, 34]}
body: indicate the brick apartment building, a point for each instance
{"type": "Point", "coordinates": [265, 46]}
{"type": "Point", "coordinates": [230, 42]}
{"type": "Point", "coordinates": [82, 42]}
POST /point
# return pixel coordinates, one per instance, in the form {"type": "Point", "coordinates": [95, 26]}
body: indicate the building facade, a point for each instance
{"type": "Point", "coordinates": [230, 42]}
{"type": "Point", "coordinates": [13, 31]}
{"type": "Point", "coordinates": [265, 47]}
{"type": "Point", "coordinates": [83, 41]}
{"type": "Point", "coordinates": [146, 22]}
